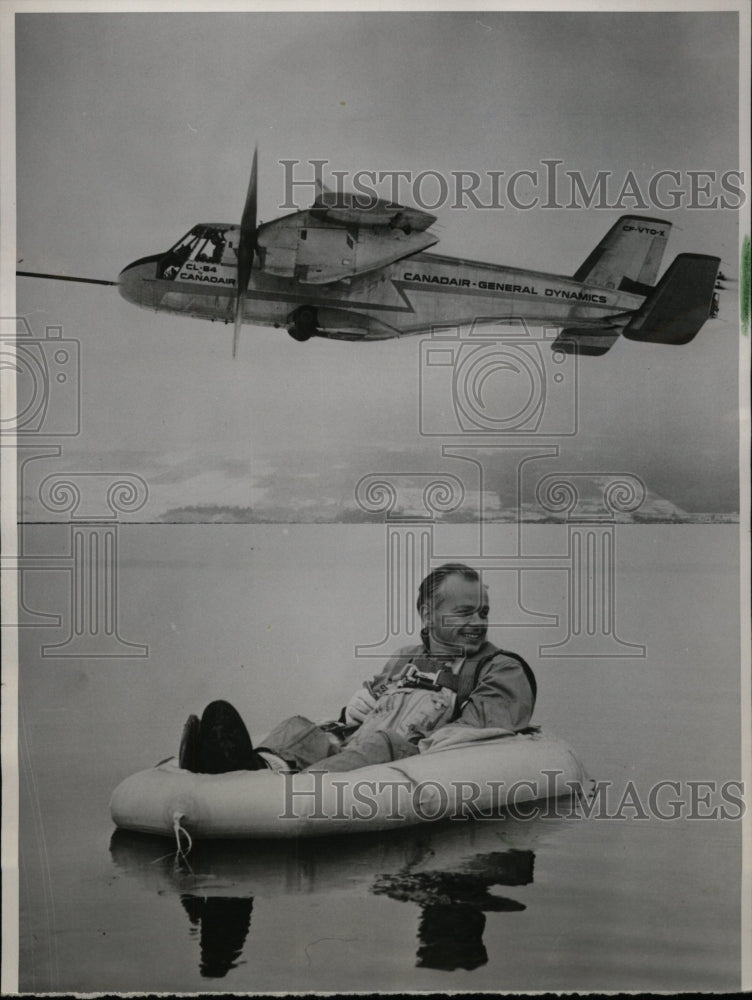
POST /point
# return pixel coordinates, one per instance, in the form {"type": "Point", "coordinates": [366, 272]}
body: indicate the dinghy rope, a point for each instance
{"type": "Point", "coordinates": [179, 829]}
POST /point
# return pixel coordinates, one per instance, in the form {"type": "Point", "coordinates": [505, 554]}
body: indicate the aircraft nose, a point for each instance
{"type": "Point", "coordinates": [134, 281]}
{"type": "Point", "coordinates": [129, 285]}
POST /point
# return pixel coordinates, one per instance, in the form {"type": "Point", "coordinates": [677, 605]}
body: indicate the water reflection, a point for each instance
{"type": "Point", "coordinates": [446, 869]}
{"type": "Point", "coordinates": [223, 923]}
{"type": "Point", "coordinates": [453, 905]}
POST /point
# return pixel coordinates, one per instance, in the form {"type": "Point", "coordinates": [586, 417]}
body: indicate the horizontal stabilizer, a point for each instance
{"type": "Point", "coordinates": [629, 254]}
{"type": "Point", "coordinates": [594, 342]}
{"type": "Point", "coordinates": [680, 303]}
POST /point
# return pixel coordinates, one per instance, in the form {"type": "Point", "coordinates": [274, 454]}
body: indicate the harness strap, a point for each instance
{"type": "Point", "coordinates": [467, 679]}
{"type": "Point", "coordinates": [465, 682]}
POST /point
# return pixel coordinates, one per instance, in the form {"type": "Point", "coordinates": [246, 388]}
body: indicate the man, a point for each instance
{"type": "Point", "coordinates": [443, 691]}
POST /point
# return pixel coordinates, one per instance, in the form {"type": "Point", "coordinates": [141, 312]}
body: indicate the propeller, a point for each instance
{"type": "Point", "coordinates": [246, 249]}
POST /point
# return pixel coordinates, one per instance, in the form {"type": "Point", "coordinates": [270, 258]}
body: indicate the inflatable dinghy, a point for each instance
{"type": "Point", "coordinates": [473, 779]}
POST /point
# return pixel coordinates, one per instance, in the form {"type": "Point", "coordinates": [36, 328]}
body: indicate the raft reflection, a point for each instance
{"type": "Point", "coordinates": [447, 869]}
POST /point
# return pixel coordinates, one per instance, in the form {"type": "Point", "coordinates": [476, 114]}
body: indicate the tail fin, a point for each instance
{"type": "Point", "coordinates": [629, 255]}
{"type": "Point", "coordinates": [680, 303]}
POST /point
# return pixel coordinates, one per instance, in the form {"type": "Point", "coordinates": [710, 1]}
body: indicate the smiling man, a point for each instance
{"type": "Point", "coordinates": [448, 689]}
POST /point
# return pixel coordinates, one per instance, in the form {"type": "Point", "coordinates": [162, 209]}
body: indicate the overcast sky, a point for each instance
{"type": "Point", "coordinates": [133, 127]}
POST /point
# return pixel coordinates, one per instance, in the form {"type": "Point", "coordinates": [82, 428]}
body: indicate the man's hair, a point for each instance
{"type": "Point", "coordinates": [427, 589]}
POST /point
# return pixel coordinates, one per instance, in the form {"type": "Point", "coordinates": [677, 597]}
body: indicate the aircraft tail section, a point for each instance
{"type": "Point", "coordinates": [629, 255]}
{"type": "Point", "coordinates": [677, 307]}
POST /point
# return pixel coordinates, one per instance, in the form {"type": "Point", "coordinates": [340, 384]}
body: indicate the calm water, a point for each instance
{"type": "Point", "coordinates": [268, 616]}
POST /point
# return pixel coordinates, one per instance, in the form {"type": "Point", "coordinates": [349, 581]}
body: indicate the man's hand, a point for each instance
{"type": "Point", "coordinates": [359, 706]}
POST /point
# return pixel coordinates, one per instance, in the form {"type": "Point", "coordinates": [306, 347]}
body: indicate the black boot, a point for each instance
{"type": "Point", "coordinates": [224, 743]}
{"type": "Point", "coordinates": [189, 744]}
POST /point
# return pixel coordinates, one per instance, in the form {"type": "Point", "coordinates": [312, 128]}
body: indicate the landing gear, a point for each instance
{"type": "Point", "coordinates": [305, 324]}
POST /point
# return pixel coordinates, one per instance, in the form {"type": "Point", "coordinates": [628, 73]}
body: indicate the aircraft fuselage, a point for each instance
{"type": "Point", "coordinates": [409, 296]}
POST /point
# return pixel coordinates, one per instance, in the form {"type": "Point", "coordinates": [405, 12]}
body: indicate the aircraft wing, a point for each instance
{"type": "Point", "coordinates": [342, 207]}
{"type": "Point", "coordinates": [315, 249]}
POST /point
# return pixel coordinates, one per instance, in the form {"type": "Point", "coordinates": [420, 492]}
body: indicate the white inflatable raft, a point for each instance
{"type": "Point", "coordinates": [473, 779]}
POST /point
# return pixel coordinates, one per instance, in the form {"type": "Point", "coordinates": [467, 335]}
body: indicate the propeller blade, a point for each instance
{"type": "Point", "coordinates": [64, 277]}
{"type": "Point", "coordinates": [236, 331]}
{"type": "Point", "coordinates": [248, 220]}
{"type": "Point", "coordinates": [246, 248]}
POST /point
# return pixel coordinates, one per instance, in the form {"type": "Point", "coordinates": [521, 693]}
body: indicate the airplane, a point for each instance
{"type": "Point", "coordinates": [356, 268]}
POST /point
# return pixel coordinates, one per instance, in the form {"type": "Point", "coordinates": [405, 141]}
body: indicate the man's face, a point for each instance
{"type": "Point", "coordinates": [458, 620]}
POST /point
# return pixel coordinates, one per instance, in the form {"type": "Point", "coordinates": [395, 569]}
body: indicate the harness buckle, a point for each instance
{"type": "Point", "coordinates": [420, 679]}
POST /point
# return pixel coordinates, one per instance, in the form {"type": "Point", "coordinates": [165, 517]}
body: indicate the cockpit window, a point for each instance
{"type": "Point", "coordinates": [204, 244]}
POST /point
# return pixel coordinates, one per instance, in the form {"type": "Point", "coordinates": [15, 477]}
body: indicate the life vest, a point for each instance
{"type": "Point", "coordinates": [462, 683]}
